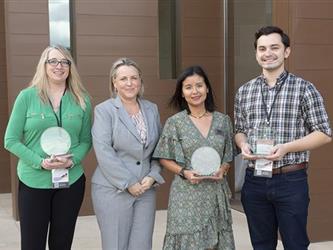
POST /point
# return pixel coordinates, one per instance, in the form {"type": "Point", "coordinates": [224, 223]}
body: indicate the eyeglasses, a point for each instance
{"type": "Point", "coordinates": [54, 62]}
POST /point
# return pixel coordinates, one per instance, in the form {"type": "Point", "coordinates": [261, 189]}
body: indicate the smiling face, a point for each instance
{"type": "Point", "coordinates": [59, 73]}
{"type": "Point", "coordinates": [271, 52]}
{"type": "Point", "coordinates": [195, 91]}
{"type": "Point", "coordinates": [127, 82]}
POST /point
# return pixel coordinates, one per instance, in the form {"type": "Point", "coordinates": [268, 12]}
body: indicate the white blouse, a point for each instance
{"type": "Point", "coordinates": [140, 126]}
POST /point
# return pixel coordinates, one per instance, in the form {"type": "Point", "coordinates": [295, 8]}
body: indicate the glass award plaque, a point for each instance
{"type": "Point", "coordinates": [206, 161]}
{"type": "Point", "coordinates": [262, 140]}
{"type": "Point", "coordinates": [56, 141]}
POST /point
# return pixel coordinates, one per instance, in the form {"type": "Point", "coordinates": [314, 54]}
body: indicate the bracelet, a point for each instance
{"type": "Point", "coordinates": [71, 166]}
{"type": "Point", "coordinates": [181, 173]}
{"type": "Point", "coordinates": [226, 171]}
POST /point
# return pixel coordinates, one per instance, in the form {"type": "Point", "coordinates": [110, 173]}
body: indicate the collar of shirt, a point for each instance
{"type": "Point", "coordinates": [262, 80]}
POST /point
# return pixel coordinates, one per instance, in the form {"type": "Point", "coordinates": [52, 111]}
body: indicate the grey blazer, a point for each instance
{"type": "Point", "coordinates": [122, 159]}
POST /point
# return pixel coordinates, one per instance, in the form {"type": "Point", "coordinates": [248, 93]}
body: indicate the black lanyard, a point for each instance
{"type": "Point", "coordinates": [59, 119]}
{"type": "Point", "coordinates": [268, 115]}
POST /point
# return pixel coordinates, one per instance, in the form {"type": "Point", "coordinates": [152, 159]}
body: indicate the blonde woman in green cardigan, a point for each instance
{"type": "Point", "coordinates": [55, 98]}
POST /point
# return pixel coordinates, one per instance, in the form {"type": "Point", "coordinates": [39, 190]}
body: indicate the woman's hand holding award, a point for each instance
{"type": "Point", "coordinates": [56, 142]}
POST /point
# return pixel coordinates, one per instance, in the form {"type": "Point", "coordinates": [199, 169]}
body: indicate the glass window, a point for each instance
{"type": "Point", "coordinates": [60, 23]}
{"type": "Point", "coordinates": [167, 38]}
{"type": "Point", "coordinates": [246, 17]}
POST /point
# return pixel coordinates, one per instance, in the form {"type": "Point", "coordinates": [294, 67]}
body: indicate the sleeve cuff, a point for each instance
{"type": "Point", "coordinates": [157, 177]}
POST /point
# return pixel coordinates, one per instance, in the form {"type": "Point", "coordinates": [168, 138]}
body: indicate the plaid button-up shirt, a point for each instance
{"type": "Point", "coordinates": [297, 111]}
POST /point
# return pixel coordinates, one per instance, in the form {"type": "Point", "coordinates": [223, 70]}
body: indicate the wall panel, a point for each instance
{"type": "Point", "coordinates": [118, 8]}
{"type": "Point", "coordinates": [4, 155]}
{"type": "Point", "coordinates": [105, 45]}
{"type": "Point", "coordinates": [202, 40]}
{"type": "Point", "coordinates": [116, 25]}
{"type": "Point", "coordinates": [106, 31]}
{"type": "Point", "coordinates": [26, 36]}
{"type": "Point", "coordinates": [309, 24]}
{"type": "Point", "coordinates": [314, 9]}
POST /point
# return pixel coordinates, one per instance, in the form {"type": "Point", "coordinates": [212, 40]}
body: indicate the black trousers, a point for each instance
{"type": "Point", "coordinates": [53, 210]}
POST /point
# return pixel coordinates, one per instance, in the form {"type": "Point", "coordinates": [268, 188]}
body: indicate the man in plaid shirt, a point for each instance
{"type": "Point", "coordinates": [293, 109]}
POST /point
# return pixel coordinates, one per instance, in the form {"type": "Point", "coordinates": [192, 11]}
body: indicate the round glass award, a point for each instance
{"type": "Point", "coordinates": [55, 141]}
{"type": "Point", "coordinates": [205, 160]}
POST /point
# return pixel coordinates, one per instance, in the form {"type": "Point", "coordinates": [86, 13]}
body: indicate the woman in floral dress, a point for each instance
{"type": "Point", "coordinates": [199, 215]}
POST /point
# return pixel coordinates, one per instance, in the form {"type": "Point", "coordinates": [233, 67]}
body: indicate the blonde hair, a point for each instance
{"type": "Point", "coordinates": [73, 81]}
{"type": "Point", "coordinates": [124, 61]}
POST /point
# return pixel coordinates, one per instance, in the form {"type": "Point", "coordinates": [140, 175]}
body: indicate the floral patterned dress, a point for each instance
{"type": "Point", "coordinates": [199, 215]}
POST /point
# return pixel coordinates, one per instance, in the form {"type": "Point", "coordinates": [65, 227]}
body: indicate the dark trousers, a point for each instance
{"type": "Point", "coordinates": [277, 203]}
{"type": "Point", "coordinates": [53, 210]}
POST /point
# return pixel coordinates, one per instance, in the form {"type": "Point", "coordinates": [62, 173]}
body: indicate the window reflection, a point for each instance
{"type": "Point", "coordinates": [59, 21]}
{"type": "Point", "coordinates": [167, 38]}
{"type": "Point", "coordinates": [248, 16]}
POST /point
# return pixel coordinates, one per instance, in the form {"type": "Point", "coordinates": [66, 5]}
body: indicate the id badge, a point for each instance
{"type": "Point", "coordinates": [60, 178]}
{"type": "Point", "coordinates": [263, 167]}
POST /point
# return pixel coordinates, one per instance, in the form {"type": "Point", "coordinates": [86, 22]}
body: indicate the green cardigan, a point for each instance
{"type": "Point", "coordinates": [30, 117]}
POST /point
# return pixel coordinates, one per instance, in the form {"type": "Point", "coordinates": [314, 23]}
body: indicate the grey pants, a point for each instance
{"type": "Point", "coordinates": [125, 222]}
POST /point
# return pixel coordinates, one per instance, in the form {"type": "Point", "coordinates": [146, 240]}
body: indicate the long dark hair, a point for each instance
{"type": "Point", "coordinates": [178, 101]}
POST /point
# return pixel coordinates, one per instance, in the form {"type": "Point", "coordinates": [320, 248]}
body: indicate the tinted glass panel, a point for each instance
{"type": "Point", "coordinates": [167, 38]}
{"type": "Point", "coordinates": [59, 21]}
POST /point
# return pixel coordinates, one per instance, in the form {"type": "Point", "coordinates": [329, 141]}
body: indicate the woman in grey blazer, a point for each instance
{"type": "Point", "coordinates": [125, 132]}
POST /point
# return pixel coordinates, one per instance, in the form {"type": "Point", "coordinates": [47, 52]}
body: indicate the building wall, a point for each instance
{"type": "Point", "coordinates": [4, 155]}
{"type": "Point", "coordinates": [202, 40]}
{"type": "Point", "coordinates": [26, 24]}
{"type": "Point", "coordinates": [309, 25]}
{"type": "Point", "coordinates": [106, 30]}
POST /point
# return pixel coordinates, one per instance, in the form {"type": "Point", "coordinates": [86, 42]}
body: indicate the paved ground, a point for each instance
{"type": "Point", "coordinates": [87, 233]}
